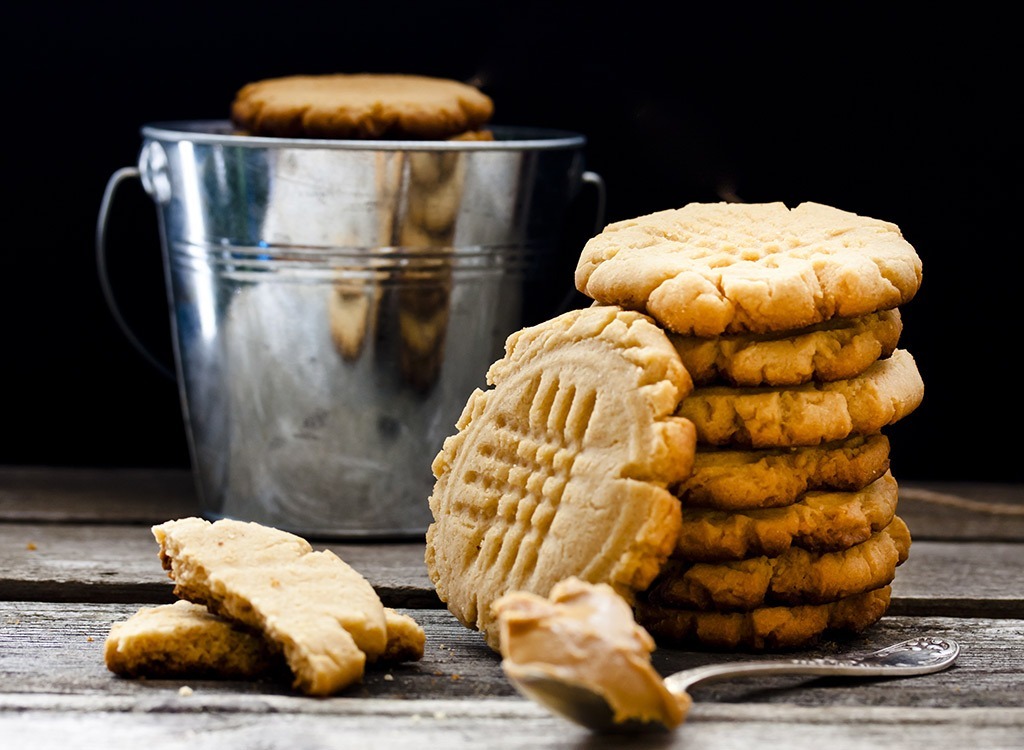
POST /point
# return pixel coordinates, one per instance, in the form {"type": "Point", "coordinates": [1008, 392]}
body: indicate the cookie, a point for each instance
{"type": "Point", "coordinates": [406, 638]}
{"type": "Point", "coordinates": [185, 639]}
{"type": "Point", "coordinates": [819, 521]}
{"type": "Point", "coordinates": [764, 628]}
{"type": "Point", "coordinates": [837, 349]}
{"type": "Point", "coordinates": [708, 269]}
{"type": "Point", "coordinates": [797, 576]}
{"type": "Point", "coordinates": [360, 106]}
{"type": "Point", "coordinates": [730, 479]}
{"type": "Point", "coordinates": [325, 617]}
{"type": "Point", "coordinates": [808, 414]}
{"type": "Point", "coordinates": [585, 634]}
{"type": "Point", "coordinates": [561, 467]}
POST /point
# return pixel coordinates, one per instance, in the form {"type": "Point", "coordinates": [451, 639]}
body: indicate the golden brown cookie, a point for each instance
{"type": "Point", "coordinates": [561, 468]}
{"type": "Point", "coordinates": [797, 576]}
{"type": "Point", "coordinates": [837, 349]}
{"type": "Point", "coordinates": [728, 479]}
{"type": "Point", "coordinates": [322, 614]}
{"type": "Point", "coordinates": [808, 414]}
{"type": "Point", "coordinates": [184, 639]}
{"type": "Point", "coordinates": [764, 628]}
{"type": "Point", "coordinates": [711, 268]}
{"type": "Point", "coordinates": [819, 521]}
{"type": "Point", "coordinates": [406, 638]}
{"type": "Point", "coordinates": [360, 105]}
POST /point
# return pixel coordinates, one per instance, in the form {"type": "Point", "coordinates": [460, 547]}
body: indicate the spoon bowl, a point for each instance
{"type": "Point", "coordinates": [583, 705]}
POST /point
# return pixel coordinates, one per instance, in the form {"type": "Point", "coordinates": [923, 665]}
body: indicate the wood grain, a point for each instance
{"type": "Point", "coordinates": [77, 554]}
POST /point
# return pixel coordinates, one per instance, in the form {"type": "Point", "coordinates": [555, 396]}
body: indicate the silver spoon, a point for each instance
{"type": "Point", "coordinates": [588, 708]}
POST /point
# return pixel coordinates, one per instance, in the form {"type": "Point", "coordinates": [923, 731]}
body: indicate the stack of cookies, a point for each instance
{"type": "Point", "coordinates": [707, 437]}
{"type": "Point", "coordinates": [788, 322]}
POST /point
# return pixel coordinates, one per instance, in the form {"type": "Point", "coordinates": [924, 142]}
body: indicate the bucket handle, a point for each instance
{"type": "Point", "coordinates": [121, 175]}
{"type": "Point", "coordinates": [594, 179]}
{"type": "Point", "coordinates": [597, 182]}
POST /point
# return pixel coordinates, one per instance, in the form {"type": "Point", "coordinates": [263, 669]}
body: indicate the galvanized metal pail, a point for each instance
{"type": "Point", "coordinates": [334, 303]}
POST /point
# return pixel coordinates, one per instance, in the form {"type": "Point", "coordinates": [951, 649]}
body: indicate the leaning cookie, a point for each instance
{"type": "Point", "coordinates": [561, 468]}
{"type": "Point", "coordinates": [764, 628]}
{"type": "Point", "coordinates": [819, 521]}
{"type": "Point", "coordinates": [797, 576]}
{"type": "Point", "coordinates": [737, 479]}
{"type": "Point", "coordinates": [808, 414]}
{"type": "Point", "coordinates": [361, 106]}
{"type": "Point", "coordinates": [837, 349]}
{"type": "Point", "coordinates": [325, 617]}
{"type": "Point", "coordinates": [709, 269]}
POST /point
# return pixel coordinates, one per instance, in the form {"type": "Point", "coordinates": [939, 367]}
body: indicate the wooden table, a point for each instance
{"type": "Point", "coordinates": [77, 555]}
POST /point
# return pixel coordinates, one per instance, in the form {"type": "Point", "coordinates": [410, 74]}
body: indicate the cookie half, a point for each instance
{"type": "Point", "coordinates": [834, 350]}
{"type": "Point", "coordinates": [797, 576]}
{"type": "Point", "coordinates": [737, 479]}
{"type": "Point", "coordinates": [185, 639]}
{"type": "Point", "coordinates": [359, 106]}
{"type": "Point", "coordinates": [561, 468]}
{"type": "Point", "coordinates": [808, 414]}
{"type": "Point", "coordinates": [819, 521]}
{"type": "Point", "coordinates": [711, 268]}
{"type": "Point", "coordinates": [321, 613]}
{"type": "Point", "coordinates": [764, 628]}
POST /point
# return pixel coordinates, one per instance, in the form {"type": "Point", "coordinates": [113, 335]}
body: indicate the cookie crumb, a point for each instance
{"type": "Point", "coordinates": [185, 691]}
{"type": "Point", "coordinates": [389, 677]}
{"type": "Point", "coordinates": [31, 546]}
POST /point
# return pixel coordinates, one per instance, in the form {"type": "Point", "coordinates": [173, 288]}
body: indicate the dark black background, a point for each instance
{"type": "Point", "coordinates": [908, 117]}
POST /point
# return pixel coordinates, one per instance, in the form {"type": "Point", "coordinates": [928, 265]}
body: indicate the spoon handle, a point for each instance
{"type": "Point", "coordinates": [917, 656]}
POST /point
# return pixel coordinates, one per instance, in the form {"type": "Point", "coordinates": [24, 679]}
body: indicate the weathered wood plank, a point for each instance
{"type": "Point", "coordinates": [963, 512]}
{"type": "Point", "coordinates": [40, 493]}
{"type": "Point", "coordinates": [947, 510]}
{"type": "Point", "coordinates": [55, 562]}
{"type": "Point", "coordinates": [57, 649]}
{"type": "Point", "coordinates": [503, 724]}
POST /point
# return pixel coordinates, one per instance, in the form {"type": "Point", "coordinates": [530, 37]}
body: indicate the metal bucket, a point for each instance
{"type": "Point", "coordinates": [334, 303]}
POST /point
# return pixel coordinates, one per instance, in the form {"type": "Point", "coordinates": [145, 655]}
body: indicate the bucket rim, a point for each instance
{"type": "Point", "coordinates": [221, 132]}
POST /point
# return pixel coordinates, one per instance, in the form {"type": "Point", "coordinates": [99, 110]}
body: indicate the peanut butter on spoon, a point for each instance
{"type": "Point", "coordinates": [583, 640]}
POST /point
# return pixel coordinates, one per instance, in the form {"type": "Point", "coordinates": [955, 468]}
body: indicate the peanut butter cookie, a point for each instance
{"type": "Point", "coordinates": [808, 414]}
{"type": "Point", "coordinates": [797, 576]}
{"type": "Point", "coordinates": [561, 468]}
{"type": "Point", "coordinates": [819, 521]}
{"type": "Point", "coordinates": [185, 639]}
{"type": "Point", "coordinates": [834, 350]}
{"type": "Point", "coordinates": [708, 269]}
{"type": "Point", "coordinates": [323, 615]}
{"type": "Point", "coordinates": [360, 106]}
{"type": "Point", "coordinates": [764, 628]}
{"type": "Point", "coordinates": [736, 479]}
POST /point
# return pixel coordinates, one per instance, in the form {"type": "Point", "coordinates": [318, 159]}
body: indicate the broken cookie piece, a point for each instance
{"type": "Point", "coordinates": [320, 613]}
{"type": "Point", "coordinates": [185, 640]}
